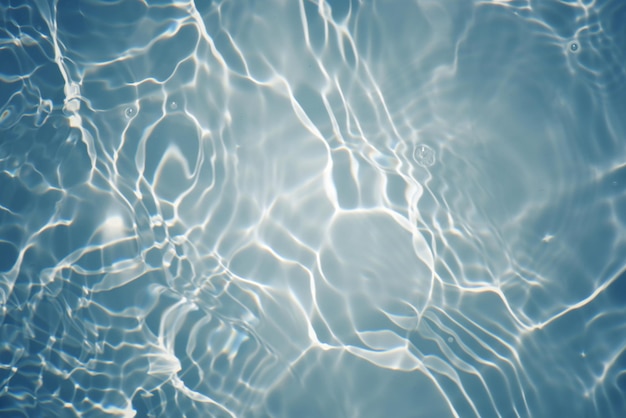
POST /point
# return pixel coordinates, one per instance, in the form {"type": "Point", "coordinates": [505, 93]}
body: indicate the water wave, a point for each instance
{"type": "Point", "coordinates": [312, 208]}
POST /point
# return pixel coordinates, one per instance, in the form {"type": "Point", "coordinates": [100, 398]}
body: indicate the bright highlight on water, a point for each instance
{"type": "Point", "coordinates": [312, 208]}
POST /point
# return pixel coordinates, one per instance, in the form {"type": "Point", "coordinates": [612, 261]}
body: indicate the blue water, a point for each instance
{"type": "Point", "coordinates": [311, 208]}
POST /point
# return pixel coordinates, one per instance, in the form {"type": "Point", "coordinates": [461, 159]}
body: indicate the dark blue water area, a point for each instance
{"type": "Point", "coordinates": [312, 209]}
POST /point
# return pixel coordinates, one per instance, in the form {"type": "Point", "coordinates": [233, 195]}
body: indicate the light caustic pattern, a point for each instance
{"type": "Point", "coordinates": [312, 208]}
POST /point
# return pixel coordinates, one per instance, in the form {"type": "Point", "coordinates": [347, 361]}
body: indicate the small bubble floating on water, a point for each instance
{"type": "Point", "coordinates": [424, 155]}
{"type": "Point", "coordinates": [130, 112]}
{"type": "Point", "coordinates": [573, 47]}
{"type": "Point", "coordinates": [173, 105]}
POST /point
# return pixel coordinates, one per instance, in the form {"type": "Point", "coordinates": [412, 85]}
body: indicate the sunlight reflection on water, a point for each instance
{"type": "Point", "coordinates": [221, 209]}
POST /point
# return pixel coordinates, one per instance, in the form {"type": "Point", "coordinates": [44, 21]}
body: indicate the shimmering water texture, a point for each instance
{"type": "Point", "coordinates": [312, 208]}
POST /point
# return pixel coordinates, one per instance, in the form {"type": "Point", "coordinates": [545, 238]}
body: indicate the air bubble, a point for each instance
{"type": "Point", "coordinates": [130, 112]}
{"type": "Point", "coordinates": [173, 105]}
{"type": "Point", "coordinates": [574, 47]}
{"type": "Point", "coordinates": [424, 155]}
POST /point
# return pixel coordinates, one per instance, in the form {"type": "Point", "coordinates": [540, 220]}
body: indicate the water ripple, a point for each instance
{"type": "Point", "coordinates": [312, 208]}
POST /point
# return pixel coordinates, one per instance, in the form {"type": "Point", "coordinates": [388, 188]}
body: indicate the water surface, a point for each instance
{"type": "Point", "coordinates": [312, 208]}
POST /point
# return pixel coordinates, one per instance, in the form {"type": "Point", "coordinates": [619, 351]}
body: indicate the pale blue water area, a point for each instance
{"type": "Point", "coordinates": [313, 208]}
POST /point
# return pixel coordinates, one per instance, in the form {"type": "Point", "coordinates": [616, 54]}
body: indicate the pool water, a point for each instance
{"type": "Point", "coordinates": [312, 208]}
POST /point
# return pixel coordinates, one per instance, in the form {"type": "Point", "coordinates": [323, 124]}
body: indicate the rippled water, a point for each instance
{"type": "Point", "coordinates": [313, 208]}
